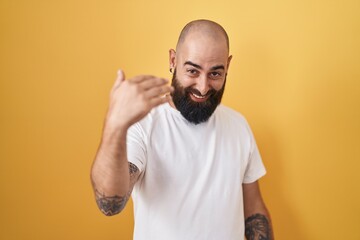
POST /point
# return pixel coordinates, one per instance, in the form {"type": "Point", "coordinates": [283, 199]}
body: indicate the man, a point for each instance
{"type": "Point", "coordinates": [190, 163]}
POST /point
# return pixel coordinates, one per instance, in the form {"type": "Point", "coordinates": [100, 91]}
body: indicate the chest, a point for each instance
{"type": "Point", "coordinates": [211, 157]}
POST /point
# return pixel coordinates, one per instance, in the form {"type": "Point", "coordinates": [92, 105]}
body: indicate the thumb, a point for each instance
{"type": "Point", "coordinates": [120, 78]}
{"type": "Point", "coordinates": [121, 75]}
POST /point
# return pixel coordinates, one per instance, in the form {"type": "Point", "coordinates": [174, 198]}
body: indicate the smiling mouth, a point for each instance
{"type": "Point", "coordinates": [198, 98]}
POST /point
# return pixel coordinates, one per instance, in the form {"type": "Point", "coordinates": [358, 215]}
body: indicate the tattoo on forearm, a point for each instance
{"type": "Point", "coordinates": [111, 205]}
{"type": "Point", "coordinates": [257, 227]}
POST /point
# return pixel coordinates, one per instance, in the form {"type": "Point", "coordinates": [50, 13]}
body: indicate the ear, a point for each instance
{"type": "Point", "coordinates": [228, 62]}
{"type": "Point", "coordinates": [172, 58]}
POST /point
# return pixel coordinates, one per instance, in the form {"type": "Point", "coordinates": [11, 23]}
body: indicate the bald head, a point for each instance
{"type": "Point", "coordinates": [201, 56]}
{"type": "Point", "coordinates": [200, 63]}
{"type": "Point", "coordinates": [205, 29]}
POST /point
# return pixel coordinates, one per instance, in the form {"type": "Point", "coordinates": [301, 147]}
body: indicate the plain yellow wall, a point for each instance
{"type": "Point", "coordinates": [295, 75]}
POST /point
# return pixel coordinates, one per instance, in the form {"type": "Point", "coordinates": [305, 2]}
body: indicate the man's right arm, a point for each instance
{"type": "Point", "coordinates": [112, 176]}
{"type": "Point", "coordinates": [111, 205]}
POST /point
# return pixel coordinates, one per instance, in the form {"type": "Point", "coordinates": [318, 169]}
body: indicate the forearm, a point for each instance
{"type": "Point", "coordinates": [257, 218]}
{"type": "Point", "coordinates": [110, 173]}
{"type": "Point", "coordinates": [258, 224]}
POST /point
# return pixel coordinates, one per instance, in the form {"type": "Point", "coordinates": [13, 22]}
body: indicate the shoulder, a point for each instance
{"type": "Point", "coordinates": [233, 122]}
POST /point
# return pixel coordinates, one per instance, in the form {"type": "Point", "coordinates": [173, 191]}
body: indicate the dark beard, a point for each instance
{"type": "Point", "coordinates": [195, 112]}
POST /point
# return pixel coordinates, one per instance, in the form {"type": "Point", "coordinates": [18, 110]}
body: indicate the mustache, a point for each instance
{"type": "Point", "coordinates": [197, 92]}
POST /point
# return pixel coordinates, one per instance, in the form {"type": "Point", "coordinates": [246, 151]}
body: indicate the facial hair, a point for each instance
{"type": "Point", "coordinates": [195, 112]}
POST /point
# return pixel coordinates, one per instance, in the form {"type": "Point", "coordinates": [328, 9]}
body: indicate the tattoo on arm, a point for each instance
{"type": "Point", "coordinates": [132, 169]}
{"type": "Point", "coordinates": [257, 227]}
{"type": "Point", "coordinates": [111, 205]}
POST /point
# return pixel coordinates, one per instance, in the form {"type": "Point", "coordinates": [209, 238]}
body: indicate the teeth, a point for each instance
{"type": "Point", "coordinates": [197, 96]}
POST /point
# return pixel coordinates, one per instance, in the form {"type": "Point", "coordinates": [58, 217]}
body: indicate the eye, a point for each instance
{"type": "Point", "coordinates": [215, 75]}
{"type": "Point", "coordinates": [192, 71]}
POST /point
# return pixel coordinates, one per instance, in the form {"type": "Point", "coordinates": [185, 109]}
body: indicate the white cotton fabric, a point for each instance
{"type": "Point", "coordinates": [190, 186]}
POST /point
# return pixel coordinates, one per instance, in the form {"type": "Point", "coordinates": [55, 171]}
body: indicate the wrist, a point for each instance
{"type": "Point", "coordinates": [114, 132]}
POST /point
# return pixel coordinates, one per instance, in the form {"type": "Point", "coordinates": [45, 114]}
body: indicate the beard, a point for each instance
{"type": "Point", "coordinates": [195, 112]}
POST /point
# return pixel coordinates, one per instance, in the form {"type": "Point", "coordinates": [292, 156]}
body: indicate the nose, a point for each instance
{"type": "Point", "coordinates": [202, 84]}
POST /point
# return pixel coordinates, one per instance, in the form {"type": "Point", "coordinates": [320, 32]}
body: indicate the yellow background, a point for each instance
{"type": "Point", "coordinates": [295, 75]}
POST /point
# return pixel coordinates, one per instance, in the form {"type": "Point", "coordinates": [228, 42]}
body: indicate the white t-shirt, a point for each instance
{"type": "Point", "coordinates": [190, 187]}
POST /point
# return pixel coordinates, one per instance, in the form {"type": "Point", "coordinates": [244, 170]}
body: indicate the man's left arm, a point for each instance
{"type": "Point", "coordinates": [257, 218]}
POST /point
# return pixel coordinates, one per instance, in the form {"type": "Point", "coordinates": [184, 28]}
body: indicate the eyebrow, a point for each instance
{"type": "Point", "coordinates": [192, 64]}
{"type": "Point", "coordinates": [218, 67]}
{"type": "Point", "coordinates": [199, 67]}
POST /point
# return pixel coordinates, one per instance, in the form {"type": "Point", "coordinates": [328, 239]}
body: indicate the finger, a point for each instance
{"type": "Point", "coordinates": [159, 100]}
{"type": "Point", "coordinates": [153, 82]}
{"type": "Point", "coordinates": [141, 78]}
{"type": "Point", "coordinates": [158, 91]}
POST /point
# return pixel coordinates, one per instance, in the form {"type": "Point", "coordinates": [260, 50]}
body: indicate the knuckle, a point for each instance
{"type": "Point", "coordinates": [165, 89]}
{"type": "Point", "coordinates": [159, 81]}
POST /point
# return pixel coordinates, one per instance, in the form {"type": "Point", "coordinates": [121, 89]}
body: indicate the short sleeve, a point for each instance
{"type": "Point", "coordinates": [136, 148]}
{"type": "Point", "coordinates": [255, 168]}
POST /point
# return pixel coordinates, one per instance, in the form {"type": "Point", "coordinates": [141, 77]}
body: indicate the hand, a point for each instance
{"type": "Point", "coordinates": [132, 99]}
